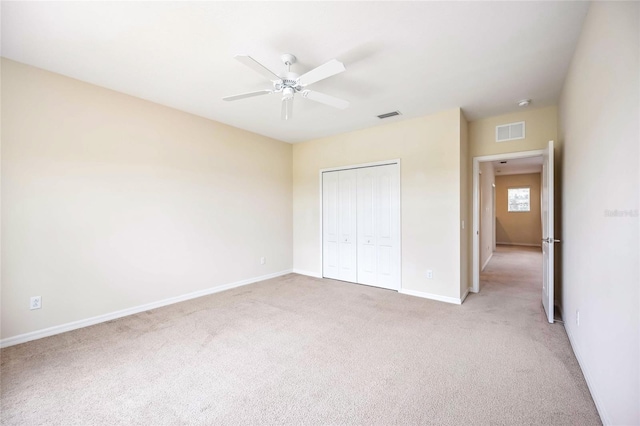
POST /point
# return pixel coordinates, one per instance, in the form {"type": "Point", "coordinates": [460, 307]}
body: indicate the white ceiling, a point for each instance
{"type": "Point", "coordinates": [416, 57]}
{"type": "Point", "coordinates": [518, 166]}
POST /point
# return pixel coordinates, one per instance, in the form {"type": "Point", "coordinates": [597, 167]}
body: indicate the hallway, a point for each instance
{"type": "Point", "coordinates": [514, 272]}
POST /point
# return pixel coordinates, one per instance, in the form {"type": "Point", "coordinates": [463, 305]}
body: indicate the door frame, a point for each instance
{"type": "Point", "coordinates": [475, 264]}
{"type": "Point", "coordinates": [548, 237]}
{"type": "Point", "coordinates": [361, 166]}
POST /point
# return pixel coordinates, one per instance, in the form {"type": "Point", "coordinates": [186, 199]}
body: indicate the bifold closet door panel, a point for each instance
{"type": "Point", "coordinates": [330, 232]}
{"type": "Point", "coordinates": [348, 187]}
{"type": "Point", "coordinates": [387, 228]}
{"type": "Point", "coordinates": [378, 231]}
{"type": "Point", "coordinates": [367, 196]}
{"type": "Point", "coordinates": [339, 225]}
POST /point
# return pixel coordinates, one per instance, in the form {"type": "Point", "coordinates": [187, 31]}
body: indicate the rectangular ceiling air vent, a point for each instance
{"type": "Point", "coordinates": [389, 114]}
{"type": "Point", "coordinates": [510, 132]}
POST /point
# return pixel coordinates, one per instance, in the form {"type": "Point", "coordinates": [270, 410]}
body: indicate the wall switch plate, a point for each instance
{"type": "Point", "coordinates": [263, 260]}
{"type": "Point", "coordinates": [35, 302]}
{"type": "Point", "coordinates": [429, 274]}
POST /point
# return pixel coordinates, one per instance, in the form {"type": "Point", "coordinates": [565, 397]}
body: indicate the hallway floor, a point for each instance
{"type": "Point", "coordinates": [514, 271]}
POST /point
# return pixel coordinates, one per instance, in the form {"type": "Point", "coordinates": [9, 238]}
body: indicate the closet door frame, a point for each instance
{"type": "Point", "coordinates": [399, 219]}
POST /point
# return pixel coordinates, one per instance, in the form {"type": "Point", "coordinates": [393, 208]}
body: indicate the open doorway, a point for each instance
{"type": "Point", "coordinates": [513, 204]}
{"type": "Point", "coordinates": [511, 227]}
{"type": "Point", "coordinates": [519, 199]}
{"type": "Point", "coordinates": [513, 216]}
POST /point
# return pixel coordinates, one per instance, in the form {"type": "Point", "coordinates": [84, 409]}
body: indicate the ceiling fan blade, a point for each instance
{"type": "Point", "coordinates": [287, 108]}
{"type": "Point", "coordinates": [246, 95]}
{"type": "Point", "coordinates": [258, 67]}
{"type": "Point", "coordinates": [332, 67]}
{"type": "Point", "coordinates": [325, 99]}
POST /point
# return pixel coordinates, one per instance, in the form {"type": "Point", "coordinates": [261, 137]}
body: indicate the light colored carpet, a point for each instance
{"type": "Point", "coordinates": [299, 350]}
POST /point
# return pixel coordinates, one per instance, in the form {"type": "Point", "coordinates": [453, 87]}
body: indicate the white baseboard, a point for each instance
{"type": "Point", "coordinates": [431, 296]}
{"type": "Point", "coordinates": [46, 332]}
{"type": "Point", "coordinates": [604, 416]}
{"type": "Point", "coordinates": [307, 273]}
{"type": "Point", "coordinates": [487, 262]}
{"type": "Point", "coordinates": [519, 244]}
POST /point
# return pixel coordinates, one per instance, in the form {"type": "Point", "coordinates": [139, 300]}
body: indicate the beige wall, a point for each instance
{"type": "Point", "coordinates": [429, 149]}
{"type": "Point", "coordinates": [110, 202]}
{"type": "Point", "coordinates": [487, 221]}
{"type": "Point", "coordinates": [518, 227]}
{"type": "Point", "coordinates": [600, 127]}
{"type": "Point", "coordinates": [541, 126]}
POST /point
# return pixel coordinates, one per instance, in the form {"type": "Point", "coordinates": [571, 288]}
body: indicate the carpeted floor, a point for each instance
{"type": "Point", "coordinates": [300, 350]}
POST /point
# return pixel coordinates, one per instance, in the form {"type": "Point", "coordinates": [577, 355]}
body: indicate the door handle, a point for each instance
{"type": "Point", "coordinates": [550, 240]}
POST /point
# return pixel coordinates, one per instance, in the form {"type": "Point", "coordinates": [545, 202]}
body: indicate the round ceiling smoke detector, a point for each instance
{"type": "Point", "coordinates": [524, 102]}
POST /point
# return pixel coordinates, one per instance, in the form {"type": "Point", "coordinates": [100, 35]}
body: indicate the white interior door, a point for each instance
{"type": "Point", "coordinates": [330, 232]}
{"type": "Point", "coordinates": [378, 229]}
{"type": "Point", "coordinates": [387, 230]}
{"type": "Point", "coordinates": [367, 256]}
{"type": "Point", "coordinates": [348, 181]}
{"type": "Point", "coordinates": [548, 238]}
{"type": "Point", "coordinates": [339, 225]}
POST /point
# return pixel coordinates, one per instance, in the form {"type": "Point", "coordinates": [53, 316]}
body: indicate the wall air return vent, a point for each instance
{"type": "Point", "coordinates": [389, 114]}
{"type": "Point", "coordinates": [510, 132]}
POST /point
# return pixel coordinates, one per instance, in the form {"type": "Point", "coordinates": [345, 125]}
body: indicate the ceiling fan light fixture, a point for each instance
{"type": "Point", "coordinates": [524, 103]}
{"type": "Point", "coordinates": [287, 93]}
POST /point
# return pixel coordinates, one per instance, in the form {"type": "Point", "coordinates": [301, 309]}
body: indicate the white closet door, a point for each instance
{"type": "Point", "coordinates": [367, 196]}
{"type": "Point", "coordinates": [339, 225]}
{"type": "Point", "coordinates": [330, 231]}
{"type": "Point", "coordinates": [348, 187]}
{"type": "Point", "coordinates": [387, 227]}
{"type": "Point", "coordinates": [378, 230]}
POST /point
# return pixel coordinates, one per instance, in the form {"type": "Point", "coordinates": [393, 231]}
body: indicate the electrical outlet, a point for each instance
{"type": "Point", "coordinates": [35, 303]}
{"type": "Point", "coordinates": [578, 317]}
{"type": "Point", "coordinates": [263, 260]}
{"type": "Point", "coordinates": [429, 274]}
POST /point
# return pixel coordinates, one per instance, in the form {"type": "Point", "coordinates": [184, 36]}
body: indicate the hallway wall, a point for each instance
{"type": "Point", "coordinates": [487, 222]}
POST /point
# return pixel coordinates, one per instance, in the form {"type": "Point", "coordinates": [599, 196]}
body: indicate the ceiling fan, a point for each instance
{"type": "Point", "coordinates": [290, 83]}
